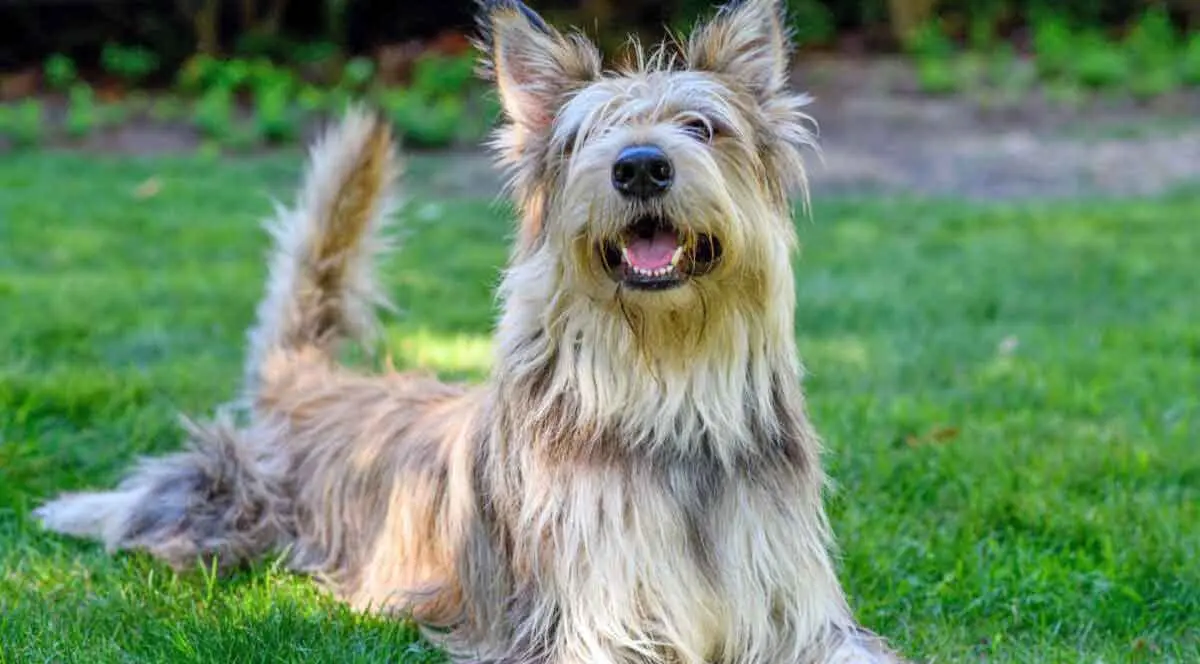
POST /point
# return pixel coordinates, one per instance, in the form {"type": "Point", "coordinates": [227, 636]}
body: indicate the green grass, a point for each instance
{"type": "Point", "coordinates": [1009, 395]}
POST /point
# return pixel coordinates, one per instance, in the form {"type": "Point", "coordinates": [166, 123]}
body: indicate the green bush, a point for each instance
{"type": "Point", "coordinates": [262, 74]}
{"type": "Point", "coordinates": [1152, 41]}
{"type": "Point", "coordinates": [274, 117]}
{"type": "Point", "coordinates": [203, 73]}
{"type": "Point", "coordinates": [936, 59]}
{"type": "Point", "coordinates": [285, 49]}
{"type": "Point", "coordinates": [197, 74]}
{"type": "Point", "coordinates": [1153, 50]}
{"type": "Point", "coordinates": [1054, 45]}
{"type": "Point", "coordinates": [132, 64]}
{"type": "Point", "coordinates": [442, 76]}
{"type": "Point", "coordinates": [1099, 63]}
{"type": "Point", "coordinates": [232, 75]}
{"type": "Point", "coordinates": [930, 42]}
{"type": "Point", "coordinates": [1153, 83]}
{"type": "Point", "coordinates": [422, 121]}
{"type": "Point", "coordinates": [214, 114]}
{"type": "Point", "coordinates": [81, 111]}
{"type": "Point", "coordinates": [60, 72]}
{"type": "Point", "coordinates": [1189, 63]}
{"type": "Point", "coordinates": [937, 77]}
{"type": "Point", "coordinates": [22, 123]}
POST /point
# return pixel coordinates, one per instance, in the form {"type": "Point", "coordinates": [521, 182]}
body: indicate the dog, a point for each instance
{"type": "Point", "coordinates": [637, 481]}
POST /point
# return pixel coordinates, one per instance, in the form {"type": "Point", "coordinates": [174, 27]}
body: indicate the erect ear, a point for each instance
{"type": "Point", "coordinates": [534, 65]}
{"type": "Point", "coordinates": [747, 42]}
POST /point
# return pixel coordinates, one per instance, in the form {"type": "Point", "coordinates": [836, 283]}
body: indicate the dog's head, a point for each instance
{"type": "Point", "coordinates": [664, 184]}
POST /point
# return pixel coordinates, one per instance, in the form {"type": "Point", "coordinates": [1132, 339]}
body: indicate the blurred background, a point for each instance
{"type": "Point", "coordinates": [984, 98]}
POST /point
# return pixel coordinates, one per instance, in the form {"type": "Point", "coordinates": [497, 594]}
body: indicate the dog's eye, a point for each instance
{"type": "Point", "coordinates": [699, 128]}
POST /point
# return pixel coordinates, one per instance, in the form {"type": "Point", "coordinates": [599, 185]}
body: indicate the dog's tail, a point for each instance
{"type": "Point", "coordinates": [223, 501]}
{"type": "Point", "coordinates": [226, 498]}
{"type": "Point", "coordinates": [322, 285]}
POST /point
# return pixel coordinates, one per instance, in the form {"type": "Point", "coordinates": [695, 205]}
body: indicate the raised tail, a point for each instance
{"type": "Point", "coordinates": [322, 286]}
{"type": "Point", "coordinates": [226, 497]}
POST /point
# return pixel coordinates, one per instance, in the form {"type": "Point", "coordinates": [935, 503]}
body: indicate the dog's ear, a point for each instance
{"type": "Point", "coordinates": [534, 65]}
{"type": "Point", "coordinates": [748, 42]}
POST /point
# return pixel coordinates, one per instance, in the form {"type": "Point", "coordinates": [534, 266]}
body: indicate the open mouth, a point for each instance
{"type": "Point", "coordinates": [652, 254]}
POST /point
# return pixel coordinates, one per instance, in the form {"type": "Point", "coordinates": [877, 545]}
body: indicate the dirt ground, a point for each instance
{"type": "Point", "coordinates": [879, 134]}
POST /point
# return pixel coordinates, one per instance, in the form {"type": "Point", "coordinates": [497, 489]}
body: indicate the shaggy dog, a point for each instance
{"type": "Point", "coordinates": [637, 481]}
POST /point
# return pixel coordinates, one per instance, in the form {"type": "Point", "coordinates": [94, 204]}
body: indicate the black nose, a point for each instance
{"type": "Point", "coordinates": [642, 171]}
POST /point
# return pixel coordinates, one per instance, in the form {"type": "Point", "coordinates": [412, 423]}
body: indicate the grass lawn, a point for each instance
{"type": "Point", "coordinates": [1010, 395]}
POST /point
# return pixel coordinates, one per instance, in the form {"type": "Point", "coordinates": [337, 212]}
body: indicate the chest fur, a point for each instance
{"type": "Point", "coordinates": [674, 566]}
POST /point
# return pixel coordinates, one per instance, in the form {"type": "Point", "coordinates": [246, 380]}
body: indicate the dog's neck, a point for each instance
{"type": "Point", "coordinates": [611, 384]}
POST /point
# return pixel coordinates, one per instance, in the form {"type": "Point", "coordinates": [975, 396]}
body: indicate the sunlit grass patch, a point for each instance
{"type": "Point", "coordinates": [448, 354]}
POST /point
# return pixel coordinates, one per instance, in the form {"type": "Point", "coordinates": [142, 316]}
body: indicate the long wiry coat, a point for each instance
{"type": "Point", "coordinates": [636, 482]}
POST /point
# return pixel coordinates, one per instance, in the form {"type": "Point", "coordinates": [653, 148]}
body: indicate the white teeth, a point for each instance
{"type": "Point", "coordinates": [676, 256]}
{"type": "Point", "coordinates": [625, 255]}
{"type": "Point", "coordinates": [660, 272]}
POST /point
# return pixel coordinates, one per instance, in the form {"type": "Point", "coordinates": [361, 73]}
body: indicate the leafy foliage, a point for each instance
{"type": "Point", "coordinates": [282, 83]}
{"type": "Point", "coordinates": [275, 115]}
{"type": "Point", "coordinates": [443, 105]}
{"type": "Point", "coordinates": [1155, 56]}
{"type": "Point", "coordinates": [1099, 63]}
{"type": "Point", "coordinates": [422, 120]}
{"type": "Point", "coordinates": [82, 114]}
{"type": "Point", "coordinates": [1189, 63]}
{"type": "Point", "coordinates": [214, 114]}
{"type": "Point", "coordinates": [132, 64]}
{"type": "Point", "coordinates": [1069, 60]}
{"type": "Point", "coordinates": [60, 71]}
{"type": "Point", "coordinates": [934, 53]}
{"type": "Point", "coordinates": [1053, 45]}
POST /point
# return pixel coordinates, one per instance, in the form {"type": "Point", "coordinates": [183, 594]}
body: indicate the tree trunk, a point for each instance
{"type": "Point", "coordinates": [208, 22]}
{"type": "Point", "coordinates": [249, 14]}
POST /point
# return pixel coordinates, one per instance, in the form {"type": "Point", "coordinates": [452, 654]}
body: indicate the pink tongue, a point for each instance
{"type": "Point", "coordinates": [652, 253]}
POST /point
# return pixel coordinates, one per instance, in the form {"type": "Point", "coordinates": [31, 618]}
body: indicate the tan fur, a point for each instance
{"type": "Point", "coordinates": [637, 482]}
